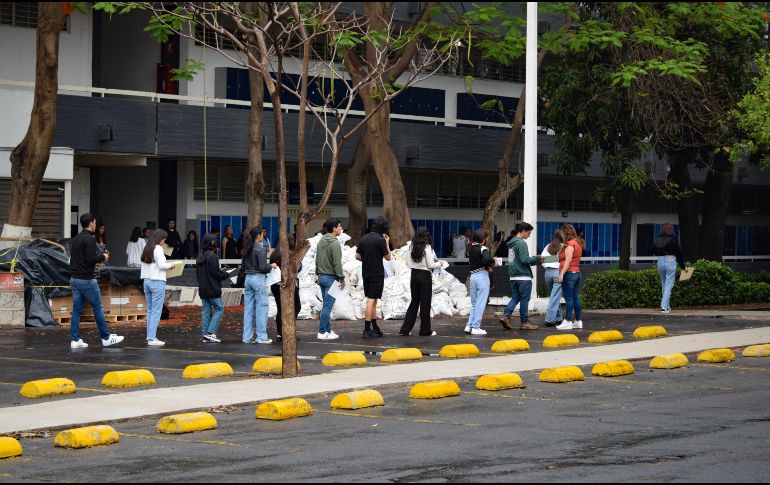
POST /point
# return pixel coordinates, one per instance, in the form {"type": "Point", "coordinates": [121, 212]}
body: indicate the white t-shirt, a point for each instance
{"type": "Point", "coordinates": [461, 246]}
{"type": "Point", "coordinates": [549, 265]}
{"type": "Point", "coordinates": [134, 252]}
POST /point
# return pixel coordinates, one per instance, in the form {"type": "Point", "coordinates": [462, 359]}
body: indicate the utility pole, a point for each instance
{"type": "Point", "coordinates": [530, 137]}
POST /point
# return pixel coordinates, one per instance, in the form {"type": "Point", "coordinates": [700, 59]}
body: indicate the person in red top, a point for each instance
{"type": "Point", "coordinates": [569, 277]}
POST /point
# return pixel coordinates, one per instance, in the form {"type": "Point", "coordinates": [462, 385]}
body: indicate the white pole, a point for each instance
{"type": "Point", "coordinates": [530, 137]}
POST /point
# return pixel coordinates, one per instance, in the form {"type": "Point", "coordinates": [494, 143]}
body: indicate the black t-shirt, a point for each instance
{"type": "Point", "coordinates": [372, 249]}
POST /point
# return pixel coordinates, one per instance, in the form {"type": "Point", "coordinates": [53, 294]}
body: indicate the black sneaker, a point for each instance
{"type": "Point", "coordinates": [376, 330]}
{"type": "Point", "coordinates": [370, 334]}
{"type": "Point", "coordinates": [550, 324]}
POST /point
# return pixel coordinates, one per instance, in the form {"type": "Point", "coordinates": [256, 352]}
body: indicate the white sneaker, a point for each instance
{"type": "Point", "coordinates": [156, 343]}
{"type": "Point", "coordinates": [211, 337]}
{"type": "Point", "coordinates": [565, 325]}
{"type": "Point", "coordinates": [467, 329]}
{"type": "Point", "coordinates": [577, 325]}
{"type": "Point", "coordinates": [323, 336]}
{"type": "Point", "coordinates": [264, 341]}
{"type": "Point", "coordinates": [78, 345]}
{"type": "Point", "coordinates": [114, 339]}
{"type": "Point", "coordinates": [665, 310]}
{"type": "Point", "coordinates": [332, 336]}
{"type": "Point", "coordinates": [478, 331]}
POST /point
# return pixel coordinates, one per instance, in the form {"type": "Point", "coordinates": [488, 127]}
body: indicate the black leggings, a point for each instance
{"type": "Point", "coordinates": [421, 285]}
{"type": "Point", "coordinates": [276, 289]}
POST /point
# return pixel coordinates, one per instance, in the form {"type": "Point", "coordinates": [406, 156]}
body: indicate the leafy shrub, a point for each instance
{"type": "Point", "coordinates": [712, 283]}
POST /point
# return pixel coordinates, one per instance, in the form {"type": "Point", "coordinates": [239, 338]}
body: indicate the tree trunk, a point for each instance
{"type": "Point", "coordinates": [255, 183]}
{"type": "Point", "coordinates": [689, 224]}
{"type": "Point", "coordinates": [626, 227]}
{"type": "Point", "coordinates": [30, 158]}
{"type": "Point", "coordinates": [716, 199]}
{"type": "Point", "coordinates": [358, 175]}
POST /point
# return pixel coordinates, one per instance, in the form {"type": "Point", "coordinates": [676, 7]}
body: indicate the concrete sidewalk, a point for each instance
{"type": "Point", "coordinates": [103, 409]}
{"type": "Point", "coordinates": [741, 314]}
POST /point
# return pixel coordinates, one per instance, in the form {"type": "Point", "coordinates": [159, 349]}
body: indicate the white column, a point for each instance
{"type": "Point", "coordinates": [530, 136]}
{"type": "Point", "coordinates": [67, 209]}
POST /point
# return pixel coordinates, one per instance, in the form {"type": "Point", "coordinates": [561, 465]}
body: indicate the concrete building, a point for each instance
{"type": "Point", "coordinates": [135, 159]}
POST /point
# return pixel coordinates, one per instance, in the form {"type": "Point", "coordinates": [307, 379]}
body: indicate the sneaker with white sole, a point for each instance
{"type": "Point", "coordinates": [264, 341]}
{"type": "Point", "coordinates": [478, 331]}
{"type": "Point", "coordinates": [565, 325]}
{"type": "Point", "coordinates": [332, 336]}
{"type": "Point", "coordinates": [155, 343]}
{"type": "Point", "coordinates": [467, 330]}
{"type": "Point", "coordinates": [112, 340]}
{"type": "Point", "coordinates": [78, 345]}
{"type": "Point", "coordinates": [211, 337]}
{"type": "Point", "coordinates": [577, 325]}
{"type": "Point", "coordinates": [323, 336]}
{"type": "Point", "coordinates": [665, 310]}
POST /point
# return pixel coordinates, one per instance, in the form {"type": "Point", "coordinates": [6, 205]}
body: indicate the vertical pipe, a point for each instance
{"type": "Point", "coordinates": [530, 136]}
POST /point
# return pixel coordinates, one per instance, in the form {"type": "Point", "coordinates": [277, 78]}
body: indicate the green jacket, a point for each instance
{"type": "Point", "coordinates": [328, 259]}
{"type": "Point", "coordinates": [519, 260]}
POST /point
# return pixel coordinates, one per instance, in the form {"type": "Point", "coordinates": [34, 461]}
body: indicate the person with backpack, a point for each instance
{"type": "Point", "coordinates": [328, 267]}
{"type": "Point", "coordinates": [372, 248]}
{"type": "Point", "coordinates": [210, 278]}
{"type": "Point", "coordinates": [255, 291]}
{"type": "Point", "coordinates": [154, 267]}
{"type": "Point", "coordinates": [520, 275]}
{"type": "Point", "coordinates": [481, 262]}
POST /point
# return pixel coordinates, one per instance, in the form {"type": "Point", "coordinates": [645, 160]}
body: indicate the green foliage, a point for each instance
{"type": "Point", "coordinates": [188, 71]}
{"type": "Point", "coordinates": [712, 283]}
{"type": "Point", "coordinates": [751, 115]}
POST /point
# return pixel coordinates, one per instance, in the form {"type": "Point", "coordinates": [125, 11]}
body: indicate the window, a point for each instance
{"type": "Point", "coordinates": [19, 14]}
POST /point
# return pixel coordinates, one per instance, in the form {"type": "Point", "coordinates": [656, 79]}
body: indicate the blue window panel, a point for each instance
{"type": "Point", "coordinates": [216, 223]}
{"type": "Point", "coordinates": [203, 229]}
{"type": "Point", "coordinates": [742, 240]}
{"type": "Point", "coordinates": [453, 227]}
{"type": "Point", "coordinates": [616, 239]}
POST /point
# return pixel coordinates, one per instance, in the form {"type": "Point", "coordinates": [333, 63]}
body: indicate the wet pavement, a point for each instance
{"type": "Point", "coordinates": [700, 423]}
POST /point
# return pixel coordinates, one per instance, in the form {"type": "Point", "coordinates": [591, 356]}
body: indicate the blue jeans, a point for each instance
{"type": "Point", "coordinates": [569, 287]}
{"type": "Point", "coordinates": [553, 313]}
{"type": "Point", "coordinates": [479, 296]}
{"type": "Point", "coordinates": [88, 290]}
{"type": "Point", "coordinates": [326, 281]}
{"type": "Point", "coordinates": [521, 293]}
{"type": "Point", "coordinates": [255, 294]}
{"type": "Point", "coordinates": [155, 293]}
{"type": "Point", "coordinates": [210, 323]}
{"type": "Point", "coordinates": [667, 272]}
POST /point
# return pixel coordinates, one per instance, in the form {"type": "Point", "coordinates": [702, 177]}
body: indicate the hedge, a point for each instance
{"type": "Point", "coordinates": [712, 283]}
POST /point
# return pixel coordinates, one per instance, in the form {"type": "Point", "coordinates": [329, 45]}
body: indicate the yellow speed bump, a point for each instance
{"type": "Point", "coordinates": [284, 409]}
{"type": "Point", "coordinates": [47, 388]}
{"type": "Point", "coordinates": [613, 369]}
{"type": "Point", "coordinates": [128, 378]}
{"type": "Point", "coordinates": [459, 351]}
{"type": "Point", "coordinates": [340, 359]}
{"type": "Point", "coordinates": [270, 365]}
{"type": "Point", "coordinates": [499, 382]}
{"type": "Point", "coordinates": [9, 447]}
{"type": "Point", "coordinates": [399, 355]}
{"type": "Point", "coordinates": [186, 423]}
{"type": "Point", "coordinates": [650, 332]}
{"type": "Point", "coordinates": [86, 437]}
{"type": "Point", "coordinates": [357, 400]}
{"type": "Point", "coordinates": [207, 371]}
{"type": "Point", "coordinates": [605, 336]}
{"type": "Point", "coordinates": [567, 340]}
{"type": "Point", "coordinates": [508, 346]}
{"type": "Point", "coordinates": [562, 374]}
{"type": "Point", "coordinates": [434, 390]}
{"type": "Point", "coordinates": [757, 351]}
{"type": "Point", "coordinates": [716, 356]}
{"type": "Point", "coordinates": [669, 361]}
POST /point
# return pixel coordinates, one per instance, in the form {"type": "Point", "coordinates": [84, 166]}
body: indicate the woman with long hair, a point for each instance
{"type": "Point", "coordinates": [421, 262]}
{"type": "Point", "coordinates": [553, 315]}
{"type": "Point", "coordinates": [190, 246]}
{"type": "Point", "coordinates": [135, 247]}
{"type": "Point", "coordinates": [101, 234]}
{"type": "Point", "coordinates": [480, 261]}
{"type": "Point", "coordinates": [255, 290]}
{"type": "Point", "coordinates": [669, 256]}
{"type": "Point", "coordinates": [569, 277]}
{"type": "Point", "coordinates": [520, 276]}
{"type": "Point", "coordinates": [210, 278]}
{"type": "Point", "coordinates": [229, 244]}
{"type": "Point", "coordinates": [154, 267]}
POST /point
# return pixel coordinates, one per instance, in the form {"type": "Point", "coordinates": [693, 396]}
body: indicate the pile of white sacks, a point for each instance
{"type": "Point", "coordinates": [450, 296]}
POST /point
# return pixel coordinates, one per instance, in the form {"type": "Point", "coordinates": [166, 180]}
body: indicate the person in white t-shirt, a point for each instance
{"type": "Point", "coordinates": [135, 247]}
{"type": "Point", "coordinates": [154, 267]}
{"type": "Point", "coordinates": [553, 314]}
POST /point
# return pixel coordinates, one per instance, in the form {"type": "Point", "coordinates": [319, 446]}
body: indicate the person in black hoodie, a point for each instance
{"type": "Point", "coordinates": [83, 283]}
{"type": "Point", "coordinates": [669, 256]}
{"type": "Point", "coordinates": [210, 278]}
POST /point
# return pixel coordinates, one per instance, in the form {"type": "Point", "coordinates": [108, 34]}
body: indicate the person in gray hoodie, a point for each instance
{"type": "Point", "coordinates": [328, 267]}
{"type": "Point", "coordinates": [255, 289]}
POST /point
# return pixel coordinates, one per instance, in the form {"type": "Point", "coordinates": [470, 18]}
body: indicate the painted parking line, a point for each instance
{"type": "Point", "coordinates": [393, 418]}
{"type": "Point", "coordinates": [178, 440]}
{"type": "Point", "coordinates": [666, 384]}
{"type": "Point", "coordinates": [64, 362]}
{"type": "Point", "coordinates": [103, 391]}
{"type": "Point", "coordinates": [729, 366]}
{"type": "Point", "coordinates": [509, 396]}
{"type": "Point", "coordinates": [208, 352]}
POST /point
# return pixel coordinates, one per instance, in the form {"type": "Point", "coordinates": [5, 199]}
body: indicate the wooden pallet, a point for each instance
{"type": "Point", "coordinates": [129, 317]}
